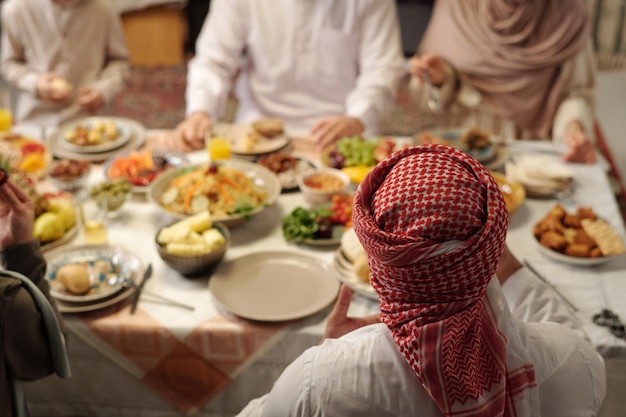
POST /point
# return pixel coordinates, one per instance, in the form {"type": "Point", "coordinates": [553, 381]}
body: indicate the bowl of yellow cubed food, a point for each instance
{"type": "Point", "coordinates": [193, 246]}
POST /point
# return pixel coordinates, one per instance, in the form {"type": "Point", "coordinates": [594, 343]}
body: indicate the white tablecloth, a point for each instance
{"type": "Point", "coordinates": [104, 383]}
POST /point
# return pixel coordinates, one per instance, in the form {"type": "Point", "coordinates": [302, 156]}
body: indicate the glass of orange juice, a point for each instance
{"type": "Point", "coordinates": [218, 148]}
{"type": "Point", "coordinates": [6, 116]}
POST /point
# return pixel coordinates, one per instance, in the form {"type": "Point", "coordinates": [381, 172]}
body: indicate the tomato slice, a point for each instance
{"type": "Point", "coordinates": [32, 147]}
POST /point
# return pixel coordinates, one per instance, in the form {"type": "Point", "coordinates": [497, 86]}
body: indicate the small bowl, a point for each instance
{"type": "Point", "coordinates": [111, 194]}
{"type": "Point", "coordinates": [319, 186]}
{"type": "Point", "coordinates": [194, 265]}
{"type": "Point", "coordinates": [69, 175]}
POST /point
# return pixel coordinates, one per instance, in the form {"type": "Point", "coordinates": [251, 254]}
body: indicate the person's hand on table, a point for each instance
{"type": "Point", "coordinates": [339, 323]}
{"type": "Point", "coordinates": [189, 134]}
{"type": "Point", "coordinates": [17, 215]}
{"type": "Point", "coordinates": [580, 146]}
{"type": "Point", "coordinates": [48, 88]}
{"type": "Point", "coordinates": [430, 63]}
{"type": "Point", "coordinates": [330, 129]}
{"type": "Point", "coordinates": [90, 99]}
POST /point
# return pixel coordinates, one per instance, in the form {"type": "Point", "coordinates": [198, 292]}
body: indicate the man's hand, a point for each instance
{"type": "Point", "coordinates": [190, 133]}
{"type": "Point", "coordinates": [17, 215]}
{"type": "Point", "coordinates": [580, 146]}
{"type": "Point", "coordinates": [330, 129]}
{"type": "Point", "coordinates": [89, 99]}
{"type": "Point", "coordinates": [53, 87]}
{"type": "Point", "coordinates": [339, 323]}
{"type": "Point", "coordinates": [508, 265]}
{"type": "Point", "coordinates": [430, 63]}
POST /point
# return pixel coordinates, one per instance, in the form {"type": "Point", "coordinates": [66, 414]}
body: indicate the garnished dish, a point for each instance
{"type": "Point", "coordinates": [95, 134]}
{"type": "Point", "coordinates": [287, 168]}
{"type": "Point", "coordinates": [230, 190]}
{"type": "Point", "coordinates": [140, 168]}
{"type": "Point", "coordinates": [24, 154]}
{"type": "Point", "coordinates": [110, 194]}
{"type": "Point", "coordinates": [356, 156]}
{"type": "Point", "coordinates": [579, 238]}
{"type": "Point", "coordinates": [322, 225]}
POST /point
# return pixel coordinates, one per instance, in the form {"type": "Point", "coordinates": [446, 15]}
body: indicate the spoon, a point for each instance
{"type": "Point", "coordinates": [433, 100]}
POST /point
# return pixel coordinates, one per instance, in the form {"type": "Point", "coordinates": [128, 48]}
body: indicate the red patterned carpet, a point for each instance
{"type": "Point", "coordinates": [154, 96]}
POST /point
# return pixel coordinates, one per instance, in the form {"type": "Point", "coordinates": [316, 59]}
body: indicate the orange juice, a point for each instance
{"type": "Point", "coordinates": [218, 148]}
{"type": "Point", "coordinates": [6, 120]}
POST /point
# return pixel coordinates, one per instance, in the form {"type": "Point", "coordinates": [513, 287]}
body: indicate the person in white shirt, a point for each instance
{"type": "Point", "coordinates": [517, 70]}
{"type": "Point", "coordinates": [67, 58]}
{"type": "Point", "coordinates": [466, 330]}
{"type": "Point", "coordinates": [327, 68]}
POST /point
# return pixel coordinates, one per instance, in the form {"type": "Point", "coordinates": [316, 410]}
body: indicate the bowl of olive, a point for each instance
{"type": "Point", "coordinates": [110, 195]}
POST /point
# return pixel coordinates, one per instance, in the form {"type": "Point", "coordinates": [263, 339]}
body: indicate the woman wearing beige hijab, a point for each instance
{"type": "Point", "coordinates": [517, 69]}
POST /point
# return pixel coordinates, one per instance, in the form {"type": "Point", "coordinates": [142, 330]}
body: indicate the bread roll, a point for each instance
{"type": "Point", "coordinates": [268, 127]}
{"type": "Point", "coordinates": [75, 278]}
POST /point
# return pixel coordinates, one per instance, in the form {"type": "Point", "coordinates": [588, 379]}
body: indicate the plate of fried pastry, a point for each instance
{"type": "Point", "coordinates": [577, 238]}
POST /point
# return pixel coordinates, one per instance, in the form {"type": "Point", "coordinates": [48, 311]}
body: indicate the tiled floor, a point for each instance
{"type": "Point", "coordinates": [611, 112]}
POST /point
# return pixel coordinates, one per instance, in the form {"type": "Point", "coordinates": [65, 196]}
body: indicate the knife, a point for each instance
{"type": "Point", "coordinates": [146, 275]}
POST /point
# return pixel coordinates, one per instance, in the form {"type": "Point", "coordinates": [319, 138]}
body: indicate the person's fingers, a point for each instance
{"type": "Point", "coordinates": [373, 319]}
{"type": "Point", "coordinates": [8, 194]}
{"type": "Point", "coordinates": [319, 127]}
{"type": "Point", "coordinates": [18, 192]}
{"type": "Point", "coordinates": [343, 302]}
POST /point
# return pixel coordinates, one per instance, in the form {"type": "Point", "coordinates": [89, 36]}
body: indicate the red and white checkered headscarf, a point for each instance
{"type": "Point", "coordinates": [433, 223]}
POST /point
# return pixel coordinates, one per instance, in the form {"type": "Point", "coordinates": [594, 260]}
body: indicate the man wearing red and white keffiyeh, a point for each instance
{"type": "Point", "coordinates": [433, 224]}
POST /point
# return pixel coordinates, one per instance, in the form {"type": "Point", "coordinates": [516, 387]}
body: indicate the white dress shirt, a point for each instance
{"type": "Point", "coordinates": [304, 60]}
{"type": "Point", "coordinates": [364, 374]}
{"type": "Point", "coordinates": [82, 42]}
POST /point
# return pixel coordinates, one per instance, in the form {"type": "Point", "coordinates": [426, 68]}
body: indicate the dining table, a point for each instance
{"type": "Point", "coordinates": [168, 361]}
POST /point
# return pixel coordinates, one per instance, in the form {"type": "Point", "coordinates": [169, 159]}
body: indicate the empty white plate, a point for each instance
{"type": "Point", "coordinates": [274, 285]}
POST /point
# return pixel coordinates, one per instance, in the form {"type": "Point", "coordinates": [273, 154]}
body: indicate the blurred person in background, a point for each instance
{"type": "Point", "coordinates": [67, 58]}
{"type": "Point", "coordinates": [326, 68]}
{"type": "Point", "coordinates": [466, 329]}
{"type": "Point", "coordinates": [517, 70]}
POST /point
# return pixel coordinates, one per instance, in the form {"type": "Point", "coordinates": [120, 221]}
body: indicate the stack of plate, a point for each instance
{"type": "Point", "coordinates": [130, 135]}
{"type": "Point", "coordinates": [349, 251]}
{"type": "Point", "coordinates": [105, 263]}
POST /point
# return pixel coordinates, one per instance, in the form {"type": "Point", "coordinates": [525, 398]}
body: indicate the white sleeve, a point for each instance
{"type": "Point", "coordinates": [381, 65]}
{"type": "Point", "coordinates": [578, 103]}
{"type": "Point", "coordinates": [219, 48]}
{"type": "Point", "coordinates": [530, 300]}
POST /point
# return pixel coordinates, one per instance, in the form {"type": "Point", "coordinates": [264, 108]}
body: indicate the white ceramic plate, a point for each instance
{"type": "Point", "coordinates": [124, 134]}
{"type": "Point", "coordinates": [121, 260]}
{"type": "Point", "coordinates": [573, 260]}
{"type": "Point", "coordinates": [262, 177]}
{"type": "Point", "coordinates": [138, 137]}
{"type": "Point", "coordinates": [236, 135]}
{"type": "Point", "coordinates": [348, 277]}
{"type": "Point", "coordinates": [274, 285]}
{"type": "Point", "coordinates": [173, 158]}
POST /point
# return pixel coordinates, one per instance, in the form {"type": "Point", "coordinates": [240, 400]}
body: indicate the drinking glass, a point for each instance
{"type": "Point", "coordinates": [6, 115]}
{"type": "Point", "coordinates": [94, 219]}
{"type": "Point", "coordinates": [217, 148]}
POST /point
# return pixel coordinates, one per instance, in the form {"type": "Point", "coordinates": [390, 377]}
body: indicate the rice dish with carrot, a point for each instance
{"type": "Point", "coordinates": [221, 190]}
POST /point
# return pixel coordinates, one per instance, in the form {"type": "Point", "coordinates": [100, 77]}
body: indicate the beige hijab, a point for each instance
{"type": "Point", "coordinates": [511, 51]}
